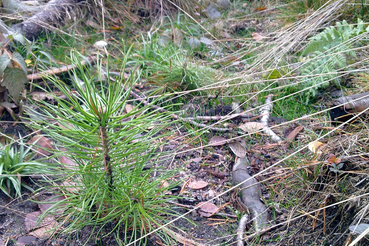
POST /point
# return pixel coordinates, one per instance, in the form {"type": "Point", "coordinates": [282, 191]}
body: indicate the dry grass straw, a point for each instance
{"type": "Point", "coordinates": [137, 10]}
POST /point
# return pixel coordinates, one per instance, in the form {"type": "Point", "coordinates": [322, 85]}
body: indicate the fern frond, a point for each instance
{"type": "Point", "coordinates": [328, 52]}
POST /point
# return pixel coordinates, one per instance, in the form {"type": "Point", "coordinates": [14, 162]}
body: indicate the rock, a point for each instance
{"type": "Point", "coordinates": [194, 43]}
{"type": "Point", "coordinates": [224, 3]}
{"type": "Point", "coordinates": [213, 11]}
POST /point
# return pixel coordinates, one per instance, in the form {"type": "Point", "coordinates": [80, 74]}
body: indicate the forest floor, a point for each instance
{"type": "Point", "coordinates": [303, 192]}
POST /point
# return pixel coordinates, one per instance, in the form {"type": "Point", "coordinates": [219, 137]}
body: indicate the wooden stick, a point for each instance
{"type": "Point", "coordinates": [265, 112]}
{"type": "Point", "coordinates": [62, 69]}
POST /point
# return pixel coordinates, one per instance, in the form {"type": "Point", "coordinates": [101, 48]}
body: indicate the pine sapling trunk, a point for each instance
{"type": "Point", "coordinates": [106, 157]}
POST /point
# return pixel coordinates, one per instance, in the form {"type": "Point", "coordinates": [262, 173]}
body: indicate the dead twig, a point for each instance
{"type": "Point", "coordinates": [265, 112]}
{"type": "Point", "coordinates": [220, 117]}
{"type": "Point", "coordinates": [182, 239]}
{"type": "Point", "coordinates": [62, 69]}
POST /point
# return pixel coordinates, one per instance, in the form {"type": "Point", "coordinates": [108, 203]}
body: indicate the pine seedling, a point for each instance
{"type": "Point", "coordinates": [110, 188]}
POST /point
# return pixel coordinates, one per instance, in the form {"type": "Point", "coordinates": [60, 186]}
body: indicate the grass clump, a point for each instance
{"type": "Point", "coordinates": [16, 163]}
{"type": "Point", "coordinates": [166, 66]}
{"type": "Point", "coordinates": [109, 185]}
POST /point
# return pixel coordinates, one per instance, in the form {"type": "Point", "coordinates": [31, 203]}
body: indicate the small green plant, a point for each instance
{"type": "Point", "coordinates": [327, 53]}
{"type": "Point", "coordinates": [166, 67]}
{"type": "Point", "coordinates": [114, 154]}
{"type": "Point", "coordinates": [13, 69]}
{"type": "Point", "coordinates": [15, 164]}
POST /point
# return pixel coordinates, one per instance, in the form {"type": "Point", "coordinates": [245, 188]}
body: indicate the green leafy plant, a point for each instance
{"type": "Point", "coordinates": [13, 72]}
{"type": "Point", "coordinates": [113, 154]}
{"type": "Point", "coordinates": [327, 53]}
{"type": "Point", "coordinates": [15, 164]}
{"type": "Point", "coordinates": [13, 69]}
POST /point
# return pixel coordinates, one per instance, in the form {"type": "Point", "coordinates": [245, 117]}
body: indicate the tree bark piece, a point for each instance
{"type": "Point", "coordinates": [54, 13]}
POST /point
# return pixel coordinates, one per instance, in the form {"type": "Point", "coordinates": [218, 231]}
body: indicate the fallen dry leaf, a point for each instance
{"type": "Point", "coordinates": [31, 220]}
{"type": "Point", "coordinates": [251, 127]}
{"type": "Point", "coordinates": [40, 95]}
{"type": "Point", "coordinates": [294, 133]}
{"type": "Point", "coordinates": [207, 209]}
{"type": "Point", "coordinates": [46, 204]}
{"type": "Point", "coordinates": [315, 146]}
{"type": "Point", "coordinates": [257, 37]}
{"type": "Point", "coordinates": [71, 186]}
{"type": "Point", "coordinates": [197, 160]}
{"type": "Point", "coordinates": [333, 159]}
{"type": "Point", "coordinates": [69, 164]}
{"type": "Point", "coordinates": [197, 185]}
{"type": "Point", "coordinates": [45, 231]}
{"type": "Point", "coordinates": [237, 149]}
{"type": "Point", "coordinates": [217, 141]}
{"type": "Point", "coordinates": [44, 143]}
{"type": "Point", "coordinates": [260, 9]}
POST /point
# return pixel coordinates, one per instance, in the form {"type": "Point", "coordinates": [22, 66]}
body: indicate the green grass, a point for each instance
{"type": "Point", "coordinates": [17, 164]}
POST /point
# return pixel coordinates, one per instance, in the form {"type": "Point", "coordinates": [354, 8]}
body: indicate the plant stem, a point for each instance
{"type": "Point", "coordinates": [106, 157]}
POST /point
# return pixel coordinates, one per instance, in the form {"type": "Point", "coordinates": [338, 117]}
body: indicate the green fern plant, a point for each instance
{"type": "Point", "coordinates": [327, 53]}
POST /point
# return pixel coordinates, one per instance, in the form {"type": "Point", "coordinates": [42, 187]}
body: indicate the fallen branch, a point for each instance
{"type": "Point", "coordinates": [241, 229]}
{"type": "Point", "coordinates": [250, 197]}
{"type": "Point", "coordinates": [53, 14]}
{"type": "Point", "coordinates": [265, 112]}
{"type": "Point", "coordinates": [220, 117]}
{"type": "Point", "coordinates": [62, 69]}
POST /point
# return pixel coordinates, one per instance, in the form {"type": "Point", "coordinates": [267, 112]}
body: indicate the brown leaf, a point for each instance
{"type": "Point", "coordinates": [207, 209]}
{"type": "Point", "coordinates": [260, 9]}
{"type": "Point", "coordinates": [44, 143]}
{"type": "Point", "coordinates": [315, 147]}
{"type": "Point", "coordinates": [46, 204]}
{"type": "Point", "coordinates": [333, 159]}
{"type": "Point", "coordinates": [257, 37]}
{"type": "Point", "coordinates": [197, 185]}
{"type": "Point", "coordinates": [71, 186]}
{"type": "Point", "coordinates": [45, 231]}
{"type": "Point", "coordinates": [237, 149]}
{"type": "Point", "coordinates": [251, 127]}
{"type": "Point", "coordinates": [31, 220]}
{"type": "Point", "coordinates": [294, 133]}
{"type": "Point", "coordinates": [69, 163]}
{"type": "Point", "coordinates": [217, 141]}
{"type": "Point", "coordinates": [40, 95]}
